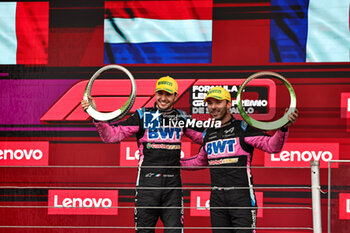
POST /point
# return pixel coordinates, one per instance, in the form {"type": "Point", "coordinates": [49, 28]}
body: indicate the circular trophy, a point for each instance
{"type": "Point", "coordinates": [119, 113]}
{"type": "Point", "coordinates": [267, 125]}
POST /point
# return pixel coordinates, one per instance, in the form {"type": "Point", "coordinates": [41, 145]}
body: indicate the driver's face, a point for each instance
{"type": "Point", "coordinates": [165, 100]}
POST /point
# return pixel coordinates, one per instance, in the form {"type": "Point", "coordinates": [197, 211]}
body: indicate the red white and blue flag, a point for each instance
{"type": "Point", "coordinates": [24, 32]}
{"type": "Point", "coordinates": [167, 31]}
{"type": "Point", "coordinates": [310, 31]}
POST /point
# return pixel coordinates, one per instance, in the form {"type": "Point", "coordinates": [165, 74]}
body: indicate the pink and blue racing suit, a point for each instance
{"type": "Point", "coordinates": [159, 145]}
{"type": "Point", "coordinates": [232, 145]}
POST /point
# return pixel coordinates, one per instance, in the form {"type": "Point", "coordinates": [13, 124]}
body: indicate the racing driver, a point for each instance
{"type": "Point", "coordinates": [233, 145]}
{"type": "Point", "coordinates": [159, 146]}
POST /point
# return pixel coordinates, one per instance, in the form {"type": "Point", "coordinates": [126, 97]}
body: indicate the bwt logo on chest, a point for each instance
{"type": "Point", "coordinates": [164, 133]}
{"type": "Point", "coordinates": [220, 146]}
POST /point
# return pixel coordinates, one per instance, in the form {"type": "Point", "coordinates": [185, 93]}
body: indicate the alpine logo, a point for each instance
{"type": "Point", "coordinates": [230, 130]}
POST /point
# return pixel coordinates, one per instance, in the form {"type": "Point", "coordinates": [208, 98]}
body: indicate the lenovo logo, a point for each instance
{"type": "Point", "coordinates": [200, 203]}
{"type": "Point", "coordinates": [130, 154]}
{"type": "Point", "coordinates": [345, 108]}
{"type": "Point", "coordinates": [300, 155]}
{"type": "Point", "coordinates": [83, 202]}
{"type": "Point", "coordinates": [345, 104]}
{"type": "Point", "coordinates": [344, 205]}
{"type": "Point", "coordinates": [24, 153]}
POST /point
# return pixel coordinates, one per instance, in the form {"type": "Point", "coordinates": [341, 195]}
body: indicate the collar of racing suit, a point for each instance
{"type": "Point", "coordinates": [228, 122]}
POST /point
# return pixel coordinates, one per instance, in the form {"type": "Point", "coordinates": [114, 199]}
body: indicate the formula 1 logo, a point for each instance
{"type": "Point", "coordinates": [109, 96]}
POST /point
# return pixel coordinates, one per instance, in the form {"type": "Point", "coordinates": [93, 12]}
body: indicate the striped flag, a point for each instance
{"type": "Point", "coordinates": [310, 31]}
{"type": "Point", "coordinates": [167, 31]}
{"type": "Point", "coordinates": [24, 28]}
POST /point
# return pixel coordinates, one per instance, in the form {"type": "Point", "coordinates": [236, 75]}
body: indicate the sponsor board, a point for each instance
{"type": "Point", "coordinates": [130, 154]}
{"type": "Point", "coordinates": [83, 202]}
{"type": "Point", "coordinates": [200, 203]}
{"type": "Point", "coordinates": [19, 153]}
{"type": "Point", "coordinates": [345, 108]}
{"type": "Point", "coordinates": [344, 205]}
{"type": "Point", "coordinates": [260, 102]}
{"type": "Point", "coordinates": [300, 155]}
